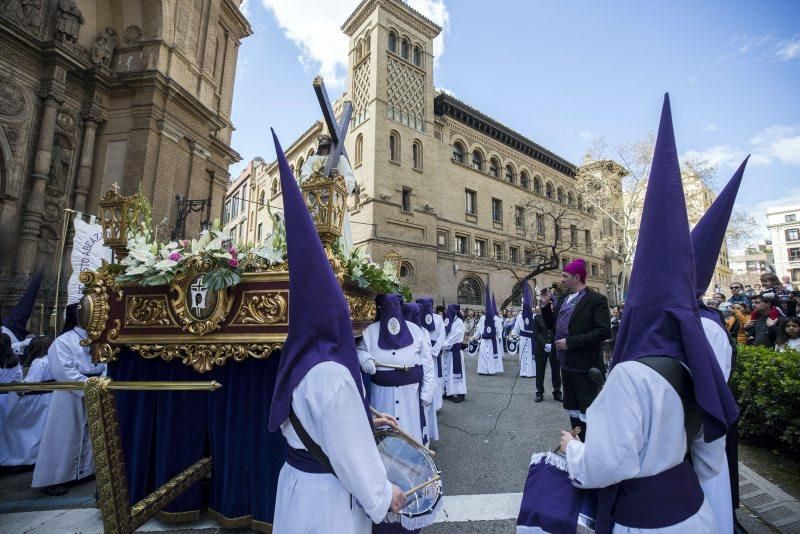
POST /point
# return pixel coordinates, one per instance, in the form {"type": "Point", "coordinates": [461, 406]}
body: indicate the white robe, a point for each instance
{"type": "Point", "coordinates": [718, 488]}
{"type": "Point", "coordinates": [453, 385]}
{"type": "Point", "coordinates": [490, 363]}
{"type": "Point", "coordinates": [403, 402]}
{"type": "Point", "coordinates": [65, 452]}
{"type": "Point", "coordinates": [438, 336]}
{"type": "Point", "coordinates": [637, 430]}
{"type": "Point", "coordinates": [328, 404]}
{"type": "Point", "coordinates": [525, 346]}
{"type": "Point", "coordinates": [12, 374]}
{"type": "Point", "coordinates": [22, 432]}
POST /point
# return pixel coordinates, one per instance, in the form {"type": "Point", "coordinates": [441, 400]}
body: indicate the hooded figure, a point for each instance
{"type": "Point", "coordinates": [524, 328]}
{"type": "Point", "coordinates": [413, 312]}
{"type": "Point", "coordinates": [647, 482]}
{"type": "Point", "coordinates": [319, 388]}
{"type": "Point", "coordinates": [15, 324]}
{"type": "Point", "coordinates": [434, 324]}
{"type": "Point", "coordinates": [403, 382]}
{"type": "Point", "coordinates": [65, 451]}
{"type": "Point", "coordinates": [455, 380]}
{"type": "Point", "coordinates": [489, 331]}
{"type": "Point", "coordinates": [707, 238]}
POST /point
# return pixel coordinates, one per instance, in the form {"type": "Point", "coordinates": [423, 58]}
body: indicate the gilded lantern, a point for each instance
{"type": "Point", "coordinates": [118, 214]}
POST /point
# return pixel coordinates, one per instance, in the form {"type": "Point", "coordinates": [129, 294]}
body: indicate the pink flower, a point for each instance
{"type": "Point", "coordinates": [185, 243]}
{"type": "Point", "coordinates": [175, 256]}
{"type": "Point", "coordinates": [233, 262]}
{"type": "Point", "coordinates": [233, 252]}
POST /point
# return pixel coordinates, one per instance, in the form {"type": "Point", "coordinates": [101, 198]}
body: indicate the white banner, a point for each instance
{"type": "Point", "coordinates": [87, 252]}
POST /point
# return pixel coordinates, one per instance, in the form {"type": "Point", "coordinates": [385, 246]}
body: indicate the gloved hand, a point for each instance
{"type": "Point", "coordinates": [368, 366]}
{"type": "Point", "coordinates": [548, 347]}
{"type": "Point", "coordinates": [425, 403]}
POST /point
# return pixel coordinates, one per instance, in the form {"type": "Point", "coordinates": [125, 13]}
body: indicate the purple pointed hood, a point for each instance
{"type": "Point", "coordinates": [661, 314]}
{"type": "Point", "coordinates": [319, 317]}
{"type": "Point", "coordinates": [488, 317]}
{"type": "Point", "coordinates": [426, 314]}
{"type": "Point", "coordinates": [494, 306]}
{"type": "Point", "coordinates": [527, 306]}
{"type": "Point", "coordinates": [453, 312]}
{"type": "Point", "coordinates": [17, 318]}
{"type": "Point", "coordinates": [394, 333]}
{"type": "Point", "coordinates": [411, 313]}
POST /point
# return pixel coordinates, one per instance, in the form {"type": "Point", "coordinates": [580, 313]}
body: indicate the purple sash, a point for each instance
{"type": "Point", "coordinates": [455, 350]}
{"type": "Point", "coordinates": [657, 501]}
{"type": "Point", "coordinates": [438, 361]}
{"type": "Point", "coordinates": [397, 378]}
{"type": "Point", "coordinates": [525, 333]}
{"type": "Point", "coordinates": [302, 460]}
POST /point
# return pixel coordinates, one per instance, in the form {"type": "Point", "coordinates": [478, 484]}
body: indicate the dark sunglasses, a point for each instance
{"type": "Point", "coordinates": [737, 287]}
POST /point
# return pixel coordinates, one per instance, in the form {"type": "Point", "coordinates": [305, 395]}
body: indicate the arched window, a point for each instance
{"type": "Point", "coordinates": [406, 272]}
{"type": "Point", "coordinates": [359, 50]}
{"type": "Point", "coordinates": [417, 56]}
{"type": "Point", "coordinates": [416, 154]}
{"type": "Point", "coordinates": [477, 159]}
{"type": "Point", "coordinates": [537, 185]}
{"type": "Point", "coordinates": [392, 42]}
{"type": "Point", "coordinates": [494, 167]}
{"type": "Point", "coordinates": [310, 152]}
{"type": "Point", "coordinates": [300, 165]}
{"type": "Point", "coordinates": [570, 198]}
{"type": "Point", "coordinates": [274, 189]}
{"type": "Point", "coordinates": [262, 199]}
{"type": "Point", "coordinates": [394, 147]}
{"type": "Point", "coordinates": [560, 195]}
{"type": "Point", "coordinates": [366, 42]}
{"type": "Point", "coordinates": [511, 176]}
{"type": "Point", "coordinates": [470, 291]}
{"type": "Point", "coordinates": [548, 190]}
{"type": "Point", "coordinates": [524, 180]}
{"type": "Point", "coordinates": [580, 202]}
{"type": "Point", "coordinates": [359, 149]}
{"type": "Point", "coordinates": [458, 152]}
{"type": "Point", "coordinates": [405, 48]}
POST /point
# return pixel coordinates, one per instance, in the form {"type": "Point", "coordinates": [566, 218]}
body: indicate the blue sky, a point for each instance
{"type": "Point", "coordinates": [563, 73]}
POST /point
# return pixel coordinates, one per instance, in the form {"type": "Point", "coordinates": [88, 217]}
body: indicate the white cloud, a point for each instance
{"type": "Point", "coordinates": [712, 127]}
{"type": "Point", "coordinates": [719, 155]}
{"type": "Point", "coordinates": [245, 8]}
{"type": "Point", "coordinates": [751, 42]}
{"type": "Point", "coordinates": [759, 211]}
{"type": "Point", "coordinates": [313, 25]}
{"type": "Point", "coordinates": [789, 50]}
{"type": "Point", "coordinates": [777, 144]}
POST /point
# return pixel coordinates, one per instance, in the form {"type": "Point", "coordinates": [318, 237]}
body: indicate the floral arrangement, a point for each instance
{"type": "Point", "coordinates": [151, 263]}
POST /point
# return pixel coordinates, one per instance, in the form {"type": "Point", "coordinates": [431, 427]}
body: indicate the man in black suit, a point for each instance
{"type": "Point", "coordinates": [543, 348]}
{"type": "Point", "coordinates": [582, 324]}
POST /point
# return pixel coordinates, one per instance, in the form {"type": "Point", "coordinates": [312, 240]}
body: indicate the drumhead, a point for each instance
{"type": "Point", "coordinates": [408, 465]}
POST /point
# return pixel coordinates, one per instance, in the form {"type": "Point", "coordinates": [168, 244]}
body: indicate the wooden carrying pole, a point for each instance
{"type": "Point", "coordinates": [121, 386]}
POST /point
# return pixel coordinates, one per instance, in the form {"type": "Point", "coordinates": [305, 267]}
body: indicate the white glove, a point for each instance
{"type": "Point", "coordinates": [368, 366]}
{"type": "Point", "coordinates": [548, 347]}
{"type": "Point", "coordinates": [425, 403]}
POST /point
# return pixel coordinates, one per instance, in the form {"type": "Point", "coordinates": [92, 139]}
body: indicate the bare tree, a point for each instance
{"type": "Point", "coordinates": [550, 227]}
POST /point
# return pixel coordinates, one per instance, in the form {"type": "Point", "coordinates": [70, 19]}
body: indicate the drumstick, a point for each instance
{"type": "Point", "coordinates": [575, 431]}
{"type": "Point", "coordinates": [393, 366]}
{"type": "Point", "coordinates": [376, 413]}
{"type": "Point", "coordinates": [418, 487]}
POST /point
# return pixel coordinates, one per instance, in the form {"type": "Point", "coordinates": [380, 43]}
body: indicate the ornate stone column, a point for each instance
{"type": "Point", "coordinates": [90, 123]}
{"type": "Point", "coordinates": [32, 219]}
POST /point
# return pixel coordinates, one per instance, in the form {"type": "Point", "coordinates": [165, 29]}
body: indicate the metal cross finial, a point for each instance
{"type": "Point", "coordinates": [338, 131]}
{"type": "Point", "coordinates": [115, 186]}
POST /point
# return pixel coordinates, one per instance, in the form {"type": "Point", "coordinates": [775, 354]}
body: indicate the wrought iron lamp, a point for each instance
{"type": "Point", "coordinates": [118, 215]}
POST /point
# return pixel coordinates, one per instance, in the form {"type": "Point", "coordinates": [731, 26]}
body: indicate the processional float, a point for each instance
{"type": "Point", "coordinates": [172, 320]}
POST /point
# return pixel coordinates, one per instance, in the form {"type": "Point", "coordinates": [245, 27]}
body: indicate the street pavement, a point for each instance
{"type": "Point", "coordinates": [483, 453]}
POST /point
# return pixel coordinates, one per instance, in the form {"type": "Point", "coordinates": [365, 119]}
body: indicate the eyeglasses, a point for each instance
{"type": "Point", "coordinates": [736, 287]}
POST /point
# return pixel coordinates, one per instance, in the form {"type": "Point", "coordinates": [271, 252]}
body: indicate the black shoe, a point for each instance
{"type": "Point", "coordinates": [557, 396]}
{"type": "Point", "coordinates": [539, 397]}
{"type": "Point", "coordinates": [56, 491]}
{"type": "Point", "coordinates": [458, 398]}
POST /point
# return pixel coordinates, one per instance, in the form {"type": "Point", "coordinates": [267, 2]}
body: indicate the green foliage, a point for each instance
{"type": "Point", "coordinates": [767, 387]}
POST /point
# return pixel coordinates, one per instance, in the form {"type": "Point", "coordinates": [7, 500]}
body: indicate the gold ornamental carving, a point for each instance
{"type": "Point", "coordinates": [104, 353]}
{"type": "Point", "coordinates": [260, 308]}
{"type": "Point", "coordinates": [148, 310]}
{"type": "Point", "coordinates": [94, 307]}
{"type": "Point", "coordinates": [362, 308]}
{"type": "Point", "coordinates": [203, 357]}
{"type": "Point", "coordinates": [199, 310]}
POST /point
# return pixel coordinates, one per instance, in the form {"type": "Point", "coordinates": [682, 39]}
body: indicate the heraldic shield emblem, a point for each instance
{"type": "Point", "coordinates": [198, 308]}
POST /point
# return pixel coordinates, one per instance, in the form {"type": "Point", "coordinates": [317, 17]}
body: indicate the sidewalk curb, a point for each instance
{"type": "Point", "coordinates": [770, 503]}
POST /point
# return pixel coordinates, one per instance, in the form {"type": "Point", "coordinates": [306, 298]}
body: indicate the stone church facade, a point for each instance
{"type": "Point", "coordinates": [448, 193]}
{"type": "Point", "coordinates": [102, 94]}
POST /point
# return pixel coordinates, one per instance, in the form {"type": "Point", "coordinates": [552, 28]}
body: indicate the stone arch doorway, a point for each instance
{"type": "Point", "coordinates": [470, 291]}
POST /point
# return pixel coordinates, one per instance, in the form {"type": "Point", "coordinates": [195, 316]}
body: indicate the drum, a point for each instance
{"type": "Point", "coordinates": [408, 465]}
{"type": "Point", "coordinates": [551, 503]}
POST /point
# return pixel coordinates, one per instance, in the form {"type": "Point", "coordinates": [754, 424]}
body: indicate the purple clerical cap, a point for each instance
{"type": "Point", "coordinates": [394, 333]}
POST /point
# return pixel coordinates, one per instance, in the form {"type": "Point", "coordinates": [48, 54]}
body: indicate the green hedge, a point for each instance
{"type": "Point", "coordinates": [767, 387]}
